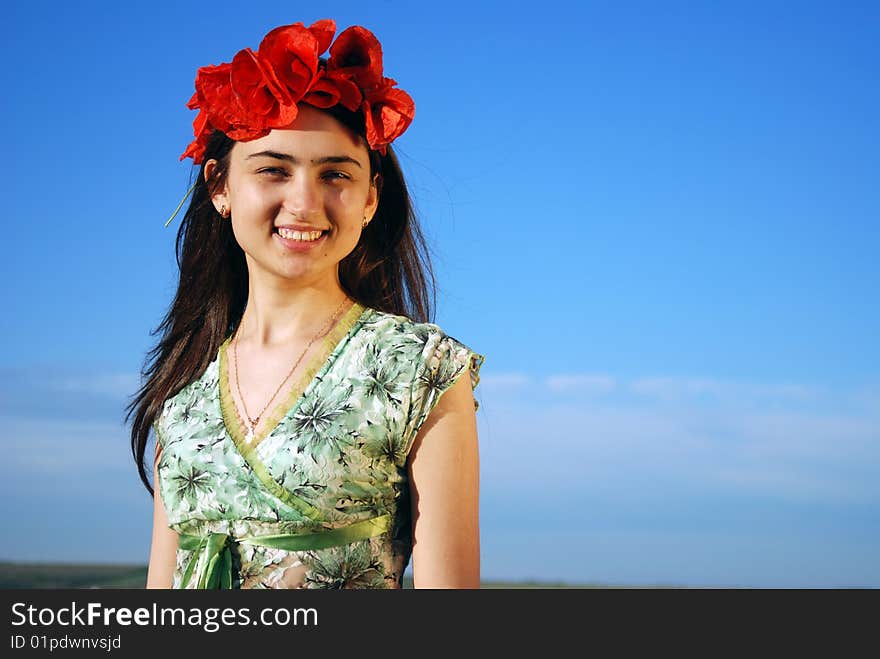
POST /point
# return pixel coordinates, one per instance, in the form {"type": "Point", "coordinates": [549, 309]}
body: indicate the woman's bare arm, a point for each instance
{"type": "Point", "coordinates": [163, 550]}
{"type": "Point", "coordinates": [444, 477]}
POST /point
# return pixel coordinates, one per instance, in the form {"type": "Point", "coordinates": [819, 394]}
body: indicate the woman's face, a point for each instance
{"type": "Point", "coordinates": [314, 175]}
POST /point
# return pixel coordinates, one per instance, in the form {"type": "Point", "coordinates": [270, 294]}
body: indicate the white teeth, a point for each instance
{"type": "Point", "coordinates": [298, 235]}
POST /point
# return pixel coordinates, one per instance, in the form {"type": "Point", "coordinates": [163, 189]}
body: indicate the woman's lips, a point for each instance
{"type": "Point", "coordinates": [300, 245]}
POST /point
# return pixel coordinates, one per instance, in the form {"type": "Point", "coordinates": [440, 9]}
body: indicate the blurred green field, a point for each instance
{"type": "Point", "coordinates": [58, 575]}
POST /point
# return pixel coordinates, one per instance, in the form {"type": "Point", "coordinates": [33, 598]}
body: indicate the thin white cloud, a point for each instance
{"type": "Point", "coordinates": [583, 383]}
{"type": "Point", "coordinates": [113, 385]}
{"type": "Point", "coordinates": [867, 397]}
{"type": "Point", "coordinates": [666, 387]}
{"type": "Point", "coordinates": [638, 437]}
{"type": "Point", "coordinates": [779, 479]}
{"type": "Point", "coordinates": [505, 380]}
{"type": "Point", "coordinates": [52, 448]}
{"type": "Point", "coordinates": [684, 387]}
{"type": "Point", "coordinates": [789, 441]}
{"type": "Point", "coordinates": [70, 460]}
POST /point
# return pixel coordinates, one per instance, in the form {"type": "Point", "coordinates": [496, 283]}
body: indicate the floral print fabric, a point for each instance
{"type": "Point", "coordinates": [336, 454]}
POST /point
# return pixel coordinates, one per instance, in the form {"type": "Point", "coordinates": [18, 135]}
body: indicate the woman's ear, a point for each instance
{"type": "Point", "coordinates": [221, 198]}
{"type": "Point", "coordinates": [373, 196]}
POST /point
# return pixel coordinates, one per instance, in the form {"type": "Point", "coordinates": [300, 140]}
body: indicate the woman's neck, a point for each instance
{"type": "Point", "coordinates": [275, 317]}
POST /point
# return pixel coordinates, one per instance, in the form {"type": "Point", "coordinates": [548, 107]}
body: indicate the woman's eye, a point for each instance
{"type": "Point", "coordinates": [336, 176]}
{"type": "Point", "coordinates": [272, 170]}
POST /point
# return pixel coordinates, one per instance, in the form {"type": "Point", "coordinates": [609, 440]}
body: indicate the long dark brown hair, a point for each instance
{"type": "Point", "coordinates": [389, 270]}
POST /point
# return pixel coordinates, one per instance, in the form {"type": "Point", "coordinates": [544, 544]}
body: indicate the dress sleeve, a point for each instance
{"type": "Point", "coordinates": [443, 361]}
{"type": "Point", "coordinates": [160, 438]}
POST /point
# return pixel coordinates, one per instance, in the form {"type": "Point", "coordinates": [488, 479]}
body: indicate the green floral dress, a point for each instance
{"type": "Point", "coordinates": [320, 498]}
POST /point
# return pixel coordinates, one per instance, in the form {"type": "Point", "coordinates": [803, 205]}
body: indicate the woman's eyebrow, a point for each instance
{"type": "Point", "coordinates": [294, 161]}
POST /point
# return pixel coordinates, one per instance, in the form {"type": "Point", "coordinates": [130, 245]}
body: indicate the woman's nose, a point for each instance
{"type": "Point", "coordinates": [302, 196]}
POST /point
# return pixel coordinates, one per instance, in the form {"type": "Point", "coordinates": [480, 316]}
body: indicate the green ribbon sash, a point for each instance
{"type": "Point", "coordinates": [211, 562]}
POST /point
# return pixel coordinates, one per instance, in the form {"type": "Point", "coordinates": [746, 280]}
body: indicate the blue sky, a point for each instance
{"type": "Point", "coordinates": [659, 222]}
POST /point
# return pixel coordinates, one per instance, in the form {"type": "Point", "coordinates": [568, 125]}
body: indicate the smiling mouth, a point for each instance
{"type": "Point", "coordinates": [304, 236]}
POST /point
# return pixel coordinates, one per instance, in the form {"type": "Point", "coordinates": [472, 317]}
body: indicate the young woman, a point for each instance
{"type": "Point", "coordinates": [313, 429]}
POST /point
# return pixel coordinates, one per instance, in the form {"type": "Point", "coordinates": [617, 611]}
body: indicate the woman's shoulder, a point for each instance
{"type": "Point", "coordinates": [434, 360]}
{"type": "Point", "coordinates": [393, 322]}
{"type": "Point", "coordinates": [399, 328]}
{"type": "Point", "coordinates": [429, 343]}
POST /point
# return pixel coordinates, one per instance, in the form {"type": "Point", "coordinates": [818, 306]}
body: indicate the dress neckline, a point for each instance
{"type": "Point", "coordinates": [316, 367]}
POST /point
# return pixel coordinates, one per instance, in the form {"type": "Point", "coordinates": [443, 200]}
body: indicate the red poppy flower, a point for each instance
{"type": "Point", "coordinates": [260, 90]}
{"type": "Point", "coordinates": [323, 32]}
{"type": "Point", "coordinates": [388, 112]}
{"type": "Point", "coordinates": [261, 98]}
{"type": "Point", "coordinates": [202, 130]}
{"type": "Point", "coordinates": [329, 90]}
{"type": "Point", "coordinates": [357, 54]}
{"type": "Point", "coordinates": [290, 52]}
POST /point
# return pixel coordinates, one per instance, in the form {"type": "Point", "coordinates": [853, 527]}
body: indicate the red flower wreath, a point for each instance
{"type": "Point", "coordinates": [258, 91]}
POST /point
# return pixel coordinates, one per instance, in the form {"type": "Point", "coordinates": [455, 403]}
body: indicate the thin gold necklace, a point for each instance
{"type": "Point", "coordinates": [253, 422]}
